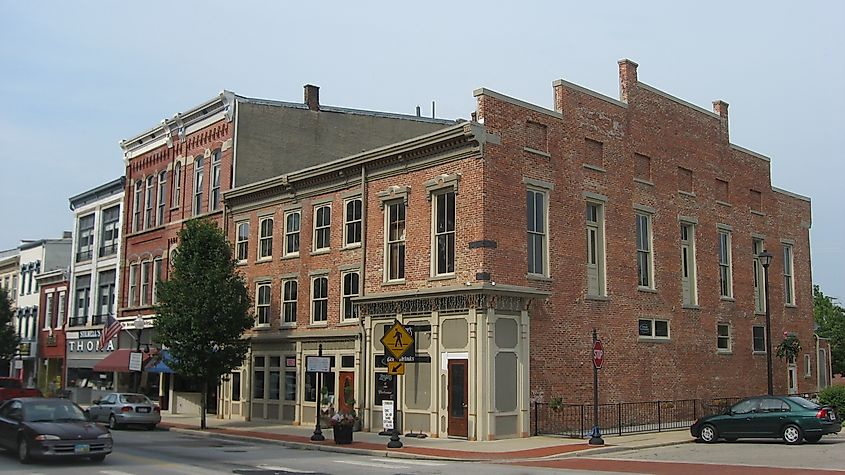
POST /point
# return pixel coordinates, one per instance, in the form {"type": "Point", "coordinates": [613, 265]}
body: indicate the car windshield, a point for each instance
{"type": "Point", "coordinates": [52, 411]}
{"type": "Point", "coordinates": [133, 399]}
{"type": "Point", "coordinates": [805, 403]}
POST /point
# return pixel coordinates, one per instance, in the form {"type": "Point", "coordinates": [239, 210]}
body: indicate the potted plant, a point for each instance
{"type": "Point", "coordinates": [326, 408]}
{"type": "Point", "coordinates": [342, 426]}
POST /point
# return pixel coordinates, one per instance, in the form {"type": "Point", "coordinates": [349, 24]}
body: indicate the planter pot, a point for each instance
{"type": "Point", "coordinates": [342, 434]}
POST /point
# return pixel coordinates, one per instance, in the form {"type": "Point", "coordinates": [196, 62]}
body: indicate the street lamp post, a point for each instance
{"type": "Point", "coordinates": [765, 261]}
{"type": "Point", "coordinates": [139, 325]}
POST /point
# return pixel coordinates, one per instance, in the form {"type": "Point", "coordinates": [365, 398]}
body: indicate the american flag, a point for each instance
{"type": "Point", "coordinates": [110, 329]}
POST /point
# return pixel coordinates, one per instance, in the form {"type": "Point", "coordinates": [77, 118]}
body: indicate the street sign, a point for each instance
{"type": "Point", "coordinates": [397, 340]}
{"type": "Point", "coordinates": [396, 368]}
{"type": "Point", "coordinates": [598, 354]}
{"type": "Point", "coordinates": [387, 414]}
{"type": "Point", "coordinates": [318, 364]}
{"type": "Point", "coordinates": [135, 360]}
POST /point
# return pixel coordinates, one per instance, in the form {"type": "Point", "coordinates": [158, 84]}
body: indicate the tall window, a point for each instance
{"type": "Point", "coordinates": [176, 197]}
{"type": "Point", "coordinates": [536, 207]}
{"type": "Point", "coordinates": [146, 277]}
{"type": "Point", "coordinates": [319, 299]}
{"type": "Point", "coordinates": [242, 241]}
{"type": "Point", "coordinates": [85, 242]}
{"type": "Point", "coordinates": [148, 204]}
{"type": "Point", "coordinates": [644, 254]}
{"type": "Point", "coordinates": [351, 288]}
{"type": "Point", "coordinates": [61, 309]}
{"type": "Point", "coordinates": [49, 316]}
{"type": "Point", "coordinates": [265, 239]}
{"type": "Point", "coordinates": [198, 184]}
{"type": "Point", "coordinates": [106, 294]}
{"type": "Point", "coordinates": [133, 285]}
{"type": "Point", "coordinates": [136, 207]}
{"type": "Point", "coordinates": [759, 288]}
{"type": "Point", "coordinates": [215, 180]}
{"type": "Point", "coordinates": [157, 276]}
{"type": "Point", "coordinates": [352, 222]}
{"type": "Point", "coordinates": [395, 240]}
{"type": "Point", "coordinates": [788, 283]}
{"type": "Point", "coordinates": [110, 233]}
{"type": "Point", "coordinates": [83, 299]}
{"type": "Point", "coordinates": [162, 184]}
{"type": "Point", "coordinates": [444, 233]}
{"type": "Point", "coordinates": [595, 249]}
{"type": "Point", "coordinates": [292, 225]}
{"type": "Point", "coordinates": [322, 226]}
{"type": "Point", "coordinates": [723, 337]}
{"type": "Point", "coordinates": [262, 304]}
{"type": "Point", "coordinates": [725, 286]}
{"type": "Point", "coordinates": [758, 335]}
{"type": "Point", "coordinates": [289, 291]}
{"type": "Point", "coordinates": [689, 288]}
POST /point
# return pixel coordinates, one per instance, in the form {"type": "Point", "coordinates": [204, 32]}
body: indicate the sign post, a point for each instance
{"type": "Point", "coordinates": [598, 359]}
{"type": "Point", "coordinates": [397, 342]}
{"type": "Point", "coordinates": [319, 365]}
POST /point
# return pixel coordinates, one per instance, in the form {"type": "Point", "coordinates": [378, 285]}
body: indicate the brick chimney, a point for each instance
{"type": "Point", "coordinates": [721, 108]}
{"type": "Point", "coordinates": [312, 97]}
{"type": "Point", "coordinates": [627, 78]}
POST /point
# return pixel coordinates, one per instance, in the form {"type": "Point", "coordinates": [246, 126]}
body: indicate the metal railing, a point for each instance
{"type": "Point", "coordinates": [576, 420]}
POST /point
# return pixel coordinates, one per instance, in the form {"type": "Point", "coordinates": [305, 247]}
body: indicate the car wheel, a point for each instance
{"type": "Point", "coordinates": [113, 425]}
{"type": "Point", "coordinates": [23, 451]}
{"type": "Point", "coordinates": [813, 438]}
{"type": "Point", "coordinates": [709, 433]}
{"type": "Point", "coordinates": [792, 434]}
{"type": "Point", "coordinates": [97, 458]}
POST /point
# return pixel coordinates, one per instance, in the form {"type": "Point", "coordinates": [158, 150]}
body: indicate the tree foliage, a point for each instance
{"type": "Point", "coordinates": [203, 308]}
{"type": "Point", "coordinates": [8, 337]}
{"type": "Point", "coordinates": [830, 318]}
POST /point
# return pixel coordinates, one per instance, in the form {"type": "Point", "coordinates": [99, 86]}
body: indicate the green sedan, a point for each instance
{"type": "Point", "coordinates": [792, 418]}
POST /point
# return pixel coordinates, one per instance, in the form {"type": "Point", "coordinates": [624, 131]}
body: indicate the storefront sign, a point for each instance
{"type": "Point", "coordinates": [135, 359]}
{"type": "Point", "coordinates": [88, 345]}
{"type": "Point", "coordinates": [318, 364]}
{"type": "Point", "coordinates": [387, 414]}
{"type": "Point", "coordinates": [24, 349]}
{"type": "Point", "coordinates": [290, 362]}
{"type": "Point", "coordinates": [385, 388]}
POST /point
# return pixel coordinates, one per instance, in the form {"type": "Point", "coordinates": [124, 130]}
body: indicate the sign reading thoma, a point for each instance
{"type": "Point", "coordinates": [87, 341]}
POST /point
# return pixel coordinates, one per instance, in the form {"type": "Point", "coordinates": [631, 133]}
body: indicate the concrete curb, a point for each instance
{"type": "Point", "coordinates": [621, 448]}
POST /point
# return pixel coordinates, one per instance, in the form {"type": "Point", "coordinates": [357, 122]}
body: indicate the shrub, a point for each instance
{"type": "Point", "coordinates": [833, 396]}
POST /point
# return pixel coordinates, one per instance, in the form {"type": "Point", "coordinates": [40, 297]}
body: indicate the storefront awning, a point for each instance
{"type": "Point", "coordinates": [118, 360]}
{"type": "Point", "coordinates": [159, 364]}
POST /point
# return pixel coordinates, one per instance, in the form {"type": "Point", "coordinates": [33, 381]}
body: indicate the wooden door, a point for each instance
{"type": "Point", "coordinates": [458, 400]}
{"type": "Point", "coordinates": [346, 397]}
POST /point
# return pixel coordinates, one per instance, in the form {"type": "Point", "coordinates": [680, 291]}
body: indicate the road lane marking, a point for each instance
{"type": "Point", "coordinates": [284, 469]}
{"type": "Point", "coordinates": [114, 472]}
{"type": "Point", "coordinates": [411, 462]}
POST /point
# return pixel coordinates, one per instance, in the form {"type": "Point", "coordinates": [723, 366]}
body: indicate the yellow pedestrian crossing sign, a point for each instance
{"type": "Point", "coordinates": [396, 368]}
{"type": "Point", "coordinates": [397, 341]}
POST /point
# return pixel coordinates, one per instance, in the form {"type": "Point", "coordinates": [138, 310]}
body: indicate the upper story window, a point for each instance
{"type": "Point", "coordinates": [322, 226]}
{"type": "Point", "coordinates": [444, 233]}
{"type": "Point", "coordinates": [158, 269]}
{"type": "Point", "coordinates": [262, 304]}
{"type": "Point", "coordinates": [289, 293]}
{"type": "Point", "coordinates": [653, 328]}
{"type": "Point", "coordinates": [689, 287]}
{"type": "Point", "coordinates": [110, 231]}
{"type": "Point", "coordinates": [136, 206]}
{"type": "Point", "coordinates": [537, 211]}
{"type": "Point", "coordinates": [61, 309]}
{"type": "Point", "coordinates": [242, 242]}
{"type": "Point", "coordinates": [352, 222]}
{"type": "Point", "coordinates": [319, 299]}
{"type": "Point", "coordinates": [149, 218]}
{"type": "Point", "coordinates": [788, 282]}
{"type": "Point", "coordinates": [595, 249]}
{"type": "Point", "coordinates": [146, 281]}
{"type": "Point", "coordinates": [176, 197]}
{"type": "Point", "coordinates": [645, 258]}
{"type": "Point", "coordinates": [351, 288]}
{"type": "Point", "coordinates": [723, 338]}
{"type": "Point", "coordinates": [198, 185]}
{"type": "Point", "coordinates": [395, 240]}
{"type": "Point", "coordinates": [85, 242]}
{"type": "Point", "coordinates": [162, 186]}
{"type": "Point", "coordinates": [106, 294]}
{"type": "Point", "coordinates": [265, 238]}
{"type": "Point", "coordinates": [49, 311]}
{"type": "Point", "coordinates": [292, 227]}
{"type": "Point", "coordinates": [132, 299]}
{"type": "Point", "coordinates": [725, 271]}
{"type": "Point", "coordinates": [759, 288]}
{"type": "Point", "coordinates": [758, 339]}
{"type": "Point", "coordinates": [83, 299]}
{"type": "Point", "coordinates": [215, 180]}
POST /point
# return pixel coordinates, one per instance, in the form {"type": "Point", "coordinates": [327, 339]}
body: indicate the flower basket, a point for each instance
{"type": "Point", "coordinates": [342, 434]}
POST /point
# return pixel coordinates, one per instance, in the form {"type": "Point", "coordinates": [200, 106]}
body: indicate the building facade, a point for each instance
{"type": "Point", "coordinates": [9, 272]}
{"type": "Point", "coordinates": [506, 241]}
{"type": "Point", "coordinates": [94, 288]}
{"type": "Point", "coordinates": [52, 316]}
{"type": "Point", "coordinates": [180, 169]}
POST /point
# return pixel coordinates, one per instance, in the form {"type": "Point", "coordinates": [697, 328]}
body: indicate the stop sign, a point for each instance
{"type": "Point", "coordinates": [598, 354]}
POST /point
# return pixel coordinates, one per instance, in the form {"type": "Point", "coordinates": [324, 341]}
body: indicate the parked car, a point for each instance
{"type": "Point", "coordinates": [120, 409]}
{"type": "Point", "coordinates": [792, 418]}
{"type": "Point", "coordinates": [51, 428]}
{"type": "Point", "coordinates": [11, 388]}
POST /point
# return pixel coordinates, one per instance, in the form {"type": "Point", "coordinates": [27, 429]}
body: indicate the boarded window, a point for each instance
{"type": "Point", "coordinates": [685, 180]}
{"type": "Point", "coordinates": [536, 136]}
{"type": "Point", "coordinates": [755, 199]}
{"type": "Point", "coordinates": [593, 152]}
{"type": "Point", "coordinates": [722, 190]}
{"type": "Point", "coordinates": [642, 167]}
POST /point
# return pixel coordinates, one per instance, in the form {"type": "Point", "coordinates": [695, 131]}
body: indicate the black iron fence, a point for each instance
{"type": "Point", "coordinates": [576, 420]}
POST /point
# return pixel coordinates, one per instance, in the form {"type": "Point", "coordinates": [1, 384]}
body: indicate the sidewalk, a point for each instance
{"type": "Point", "coordinates": [370, 443]}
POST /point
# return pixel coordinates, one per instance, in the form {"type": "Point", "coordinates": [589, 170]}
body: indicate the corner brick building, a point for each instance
{"type": "Point", "coordinates": [512, 237]}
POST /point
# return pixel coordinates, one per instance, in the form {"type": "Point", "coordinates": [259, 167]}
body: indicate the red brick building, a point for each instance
{"type": "Point", "coordinates": [513, 236]}
{"type": "Point", "coordinates": [51, 330]}
{"type": "Point", "coordinates": [180, 169]}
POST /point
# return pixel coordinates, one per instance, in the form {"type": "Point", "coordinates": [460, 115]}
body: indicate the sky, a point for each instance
{"type": "Point", "coordinates": [77, 77]}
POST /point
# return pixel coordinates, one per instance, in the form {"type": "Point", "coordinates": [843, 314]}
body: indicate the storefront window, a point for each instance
{"type": "Point", "coordinates": [275, 384]}
{"type": "Point", "coordinates": [236, 386]}
{"type": "Point", "coordinates": [290, 385]}
{"type": "Point", "coordinates": [87, 378]}
{"type": "Point", "coordinates": [327, 388]}
{"type": "Point", "coordinates": [258, 383]}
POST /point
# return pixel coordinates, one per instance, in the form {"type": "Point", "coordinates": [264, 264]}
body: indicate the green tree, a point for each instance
{"type": "Point", "coordinates": [203, 308]}
{"type": "Point", "coordinates": [8, 337]}
{"type": "Point", "coordinates": [830, 318]}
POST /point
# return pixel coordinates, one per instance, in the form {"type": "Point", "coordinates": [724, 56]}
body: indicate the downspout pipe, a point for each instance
{"type": "Point", "coordinates": [363, 404]}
